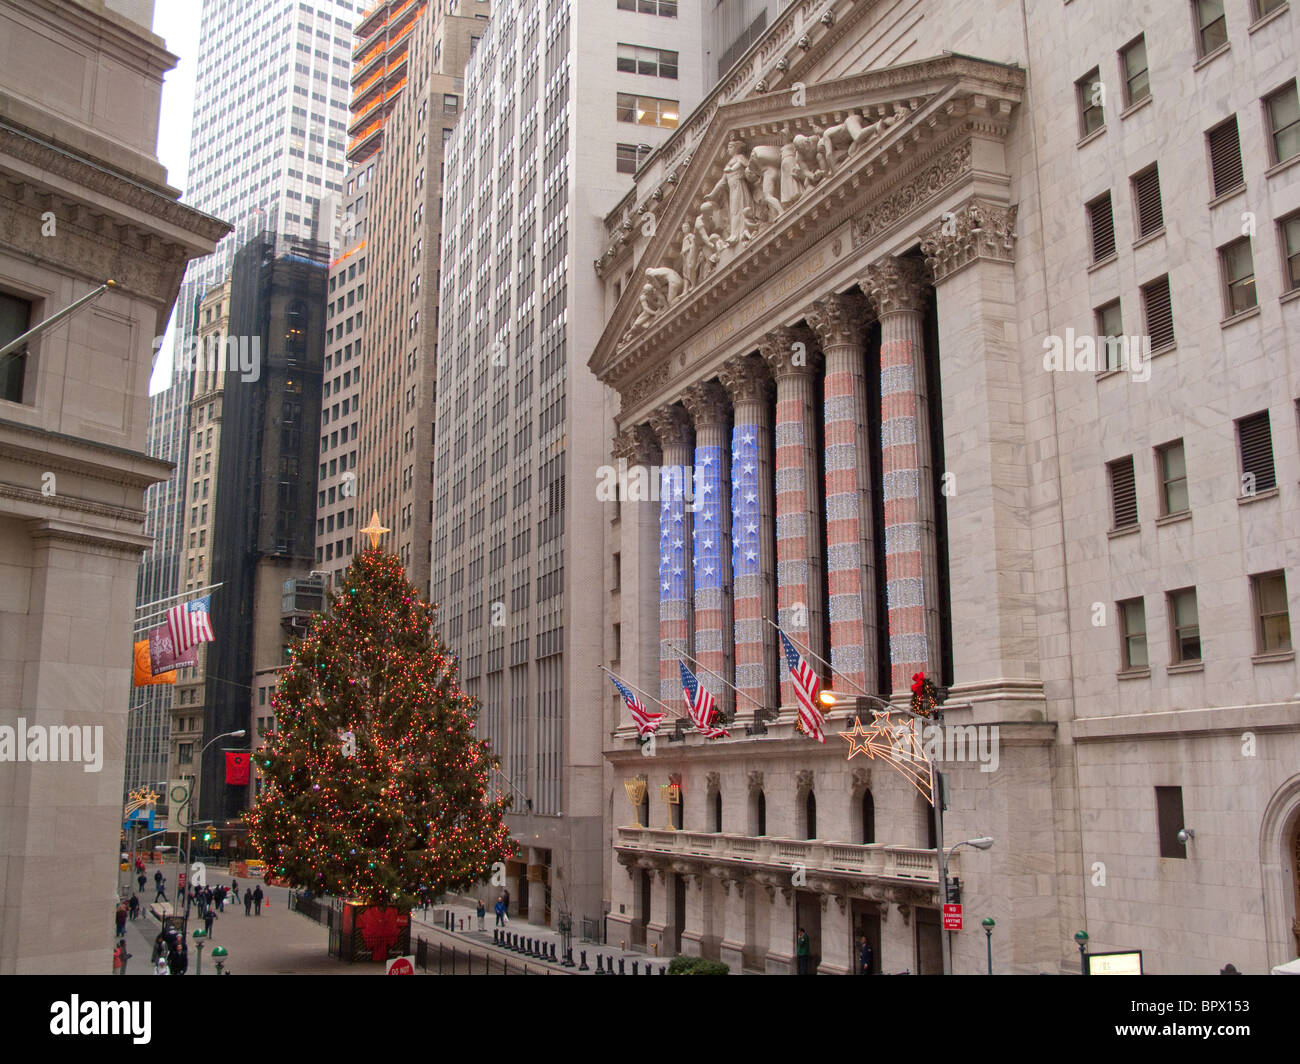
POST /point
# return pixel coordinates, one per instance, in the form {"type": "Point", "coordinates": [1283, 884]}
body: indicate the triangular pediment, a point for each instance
{"type": "Point", "coordinates": [766, 167]}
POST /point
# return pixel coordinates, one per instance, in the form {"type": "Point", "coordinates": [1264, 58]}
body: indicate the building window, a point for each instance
{"type": "Point", "coordinates": [450, 103]}
{"type": "Point", "coordinates": [1238, 276]}
{"type": "Point", "coordinates": [15, 319]}
{"type": "Point", "coordinates": [652, 62]}
{"type": "Point", "coordinates": [1101, 220]}
{"type": "Point", "coordinates": [1225, 157]}
{"type": "Point", "coordinates": [1137, 81]}
{"type": "Point", "coordinates": [1169, 816]}
{"type": "Point", "coordinates": [1172, 463]}
{"type": "Point", "coordinates": [810, 815]}
{"type": "Point", "coordinates": [868, 813]}
{"type": "Point", "coordinates": [717, 812]}
{"type": "Point", "coordinates": [1283, 109]}
{"type": "Point", "coordinates": [1133, 634]}
{"type": "Point", "coordinates": [1255, 440]}
{"type": "Point", "coordinates": [618, 643]}
{"type": "Point", "coordinates": [647, 111]}
{"type": "Point", "coordinates": [1157, 308]}
{"type": "Point", "coordinates": [1211, 25]}
{"type": "Point", "coordinates": [1184, 626]}
{"type": "Point", "coordinates": [261, 697]}
{"type": "Point", "coordinates": [1110, 327]}
{"type": "Point", "coordinates": [1291, 248]}
{"type": "Point", "coordinates": [628, 157]}
{"type": "Point", "coordinates": [1090, 92]}
{"type": "Point", "coordinates": [617, 571]}
{"type": "Point", "coordinates": [185, 753]}
{"type": "Point", "coordinates": [1123, 493]}
{"type": "Point", "coordinates": [1272, 618]}
{"type": "Point", "coordinates": [1146, 198]}
{"type": "Point", "coordinates": [663, 8]}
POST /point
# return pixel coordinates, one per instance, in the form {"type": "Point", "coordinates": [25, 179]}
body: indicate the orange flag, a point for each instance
{"type": "Point", "coordinates": [143, 675]}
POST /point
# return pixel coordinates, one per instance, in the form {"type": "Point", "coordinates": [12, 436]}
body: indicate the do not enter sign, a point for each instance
{"type": "Point", "coordinates": [952, 917]}
{"type": "Point", "coordinates": [401, 966]}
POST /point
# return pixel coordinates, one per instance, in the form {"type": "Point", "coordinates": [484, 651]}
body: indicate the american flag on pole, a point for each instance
{"type": "Point", "coordinates": [700, 704]}
{"type": "Point", "coordinates": [647, 723]}
{"type": "Point", "coordinates": [806, 682]}
{"type": "Point", "coordinates": [190, 623]}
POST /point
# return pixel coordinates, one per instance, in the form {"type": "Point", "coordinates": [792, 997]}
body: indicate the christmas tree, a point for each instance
{"type": "Point", "coordinates": [375, 785]}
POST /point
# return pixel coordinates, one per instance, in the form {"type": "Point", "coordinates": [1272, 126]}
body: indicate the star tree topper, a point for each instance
{"type": "Point", "coordinates": [374, 530]}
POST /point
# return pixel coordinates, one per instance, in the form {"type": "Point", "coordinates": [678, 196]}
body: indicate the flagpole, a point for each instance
{"type": "Point", "coordinates": [820, 659]}
{"type": "Point", "coordinates": [705, 668]}
{"type": "Point", "coordinates": [667, 708]}
{"type": "Point", "coordinates": [142, 623]}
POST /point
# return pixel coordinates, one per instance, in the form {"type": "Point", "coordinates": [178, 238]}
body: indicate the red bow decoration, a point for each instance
{"type": "Point", "coordinates": [379, 930]}
{"type": "Point", "coordinates": [918, 681]}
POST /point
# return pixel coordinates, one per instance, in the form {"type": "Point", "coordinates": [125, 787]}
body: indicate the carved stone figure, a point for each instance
{"type": "Point", "coordinates": [690, 257]}
{"type": "Point", "coordinates": [764, 176]}
{"type": "Point", "coordinates": [733, 184]}
{"type": "Point", "coordinates": [807, 169]}
{"type": "Point", "coordinates": [653, 304]}
{"type": "Point", "coordinates": [668, 281]}
{"type": "Point", "coordinates": [709, 241]}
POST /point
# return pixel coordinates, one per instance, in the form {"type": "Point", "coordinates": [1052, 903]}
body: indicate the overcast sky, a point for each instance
{"type": "Point", "coordinates": [177, 23]}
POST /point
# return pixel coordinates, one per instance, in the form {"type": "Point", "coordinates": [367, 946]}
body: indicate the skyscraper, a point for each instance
{"type": "Point", "coordinates": [559, 112]}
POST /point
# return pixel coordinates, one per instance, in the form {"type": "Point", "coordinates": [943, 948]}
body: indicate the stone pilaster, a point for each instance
{"type": "Point", "coordinates": [637, 450]}
{"type": "Point", "coordinates": [995, 639]}
{"type": "Point", "coordinates": [672, 426]}
{"type": "Point", "coordinates": [780, 950]}
{"type": "Point", "coordinates": [659, 931]}
{"type": "Point", "coordinates": [838, 321]}
{"type": "Point", "coordinates": [732, 947]}
{"type": "Point", "coordinates": [837, 948]}
{"type": "Point", "coordinates": [753, 517]}
{"type": "Point", "coordinates": [710, 409]}
{"type": "Point", "coordinates": [897, 289]}
{"type": "Point", "coordinates": [897, 939]}
{"type": "Point", "coordinates": [799, 575]}
{"type": "Point", "coordinates": [536, 888]}
{"type": "Point", "coordinates": [695, 927]}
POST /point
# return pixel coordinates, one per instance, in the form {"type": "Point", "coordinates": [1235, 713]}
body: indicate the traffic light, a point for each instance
{"type": "Point", "coordinates": [207, 836]}
{"type": "Point", "coordinates": [954, 891]}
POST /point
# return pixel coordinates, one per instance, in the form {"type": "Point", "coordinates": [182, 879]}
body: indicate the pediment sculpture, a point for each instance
{"type": "Point", "coordinates": [758, 184]}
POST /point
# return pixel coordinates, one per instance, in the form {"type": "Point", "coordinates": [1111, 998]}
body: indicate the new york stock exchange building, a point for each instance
{"type": "Point", "coordinates": [828, 300]}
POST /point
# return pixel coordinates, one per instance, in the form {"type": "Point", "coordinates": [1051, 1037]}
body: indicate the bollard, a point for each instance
{"type": "Point", "coordinates": [634, 967]}
{"type": "Point", "coordinates": [496, 937]}
{"type": "Point", "coordinates": [552, 952]}
{"type": "Point", "coordinates": [600, 963]}
{"type": "Point", "coordinates": [647, 967]}
{"type": "Point", "coordinates": [620, 967]}
{"type": "Point", "coordinates": [568, 959]}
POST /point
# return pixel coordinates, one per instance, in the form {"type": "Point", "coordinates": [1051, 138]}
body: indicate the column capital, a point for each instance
{"type": "Point", "coordinates": [789, 351]}
{"type": "Point", "coordinates": [755, 780]}
{"type": "Point", "coordinates": [746, 379]}
{"type": "Point", "coordinates": [637, 445]}
{"type": "Point", "coordinates": [895, 285]}
{"type": "Point", "coordinates": [976, 230]}
{"type": "Point", "coordinates": [838, 319]}
{"type": "Point", "coordinates": [672, 425]}
{"type": "Point", "coordinates": [708, 405]}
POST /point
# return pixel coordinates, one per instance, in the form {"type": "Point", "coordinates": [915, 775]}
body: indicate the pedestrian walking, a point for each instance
{"type": "Point", "coordinates": [120, 957]}
{"type": "Point", "coordinates": [182, 962]}
{"type": "Point", "coordinates": [140, 880]}
{"type": "Point", "coordinates": [505, 897]}
{"type": "Point", "coordinates": [248, 903]}
{"type": "Point", "coordinates": [864, 955]}
{"type": "Point", "coordinates": [133, 906]}
{"type": "Point", "coordinates": [482, 913]}
{"type": "Point", "coordinates": [802, 949]}
{"type": "Point", "coordinates": [234, 890]}
{"type": "Point", "coordinates": [500, 910]}
{"type": "Point", "coordinates": [119, 919]}
{"type": "Point", "coordinates": [161, 886]}
{"type": "Point", "coordinates": [209, 918]}
{"type": "Point", "coordinates": [160, 966]}
{"type": "Point", "coordinates": [257, 900]}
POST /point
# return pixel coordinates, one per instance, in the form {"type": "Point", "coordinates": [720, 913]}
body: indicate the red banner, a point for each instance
{"type": "Point", "coordinates": [236, 768]}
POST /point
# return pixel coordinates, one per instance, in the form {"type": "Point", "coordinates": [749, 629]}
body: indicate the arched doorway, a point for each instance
{"type": "Point", "coordinates": [1295, 883]}
{"type": "Point", "coordinates": [1279, 853]}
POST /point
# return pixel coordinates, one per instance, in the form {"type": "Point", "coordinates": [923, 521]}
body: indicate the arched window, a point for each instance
{"type": "Point", "coordinates": [868, 812]}
{"type": "Point", "coordinates": [926, 811]}
{"type": "Point", "coordinates": [717, 812]}
{"type": "Point", "coordinates": [757, 813]}
{"type": "Point", "coordinates": [643, 812]}
{"type": "Point", "coordinates": [810, 816]}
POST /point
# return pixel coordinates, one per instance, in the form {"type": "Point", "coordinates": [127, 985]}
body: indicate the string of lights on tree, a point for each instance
{"type": "Point", "coordinates": [376, 788]}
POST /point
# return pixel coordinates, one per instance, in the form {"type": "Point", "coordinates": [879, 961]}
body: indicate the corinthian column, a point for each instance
{"type": "Point", "coordinates": [753, 513]}
{"type": "Point", "coordinates": [709, 409]}
{"type": "Point", "coordinates": [799, 581]}
{"type": "Point", "coordinates": [672, 426]}
{"type": "Point", "coordinates": [636, 449]}
{"type": "Point", "coordinates": [850, 571]}
{"type": "Point", "coordinates": [897, 289]}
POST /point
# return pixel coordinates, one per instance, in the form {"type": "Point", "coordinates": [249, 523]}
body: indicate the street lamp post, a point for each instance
{"type": "Point", "coordinates": [184, 833]}
{"type": "Point", "coordinates": [988, 938]}
{"type": "Point", "coordinates": [982, 843]}
{"type": "Point", "coordinates": [1081, 937]}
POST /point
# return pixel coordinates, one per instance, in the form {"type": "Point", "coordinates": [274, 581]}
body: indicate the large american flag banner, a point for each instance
{"type": "Point", "coordinates": [700, 704]}
{"type": "Point", "coordinates": [190, 623]}
{"type": "Point", "coordinates": [806, 683]}
{"type": "Point", "coordinates": [646, 722]}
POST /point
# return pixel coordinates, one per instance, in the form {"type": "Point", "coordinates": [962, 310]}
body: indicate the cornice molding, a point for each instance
{"type": "Point", "coordinates": [978, 229]}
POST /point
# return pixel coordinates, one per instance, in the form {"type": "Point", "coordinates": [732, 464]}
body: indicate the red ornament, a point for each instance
{"type": "Point", "coordinates": [918, 681]}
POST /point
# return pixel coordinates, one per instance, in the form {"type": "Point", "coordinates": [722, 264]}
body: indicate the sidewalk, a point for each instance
{"type": "Point", "coordinates": [466, 929]}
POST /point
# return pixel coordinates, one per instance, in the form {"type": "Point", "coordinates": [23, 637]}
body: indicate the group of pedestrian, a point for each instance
{"type": "Point", "coordinates": [803, 951]}
{"type": "Point", "coordinates": [170, 953]}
